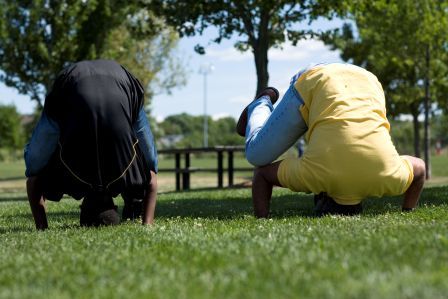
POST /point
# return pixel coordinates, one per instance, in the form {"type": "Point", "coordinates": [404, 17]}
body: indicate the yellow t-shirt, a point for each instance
{"type": "Point", "coordinates": [350, 154]}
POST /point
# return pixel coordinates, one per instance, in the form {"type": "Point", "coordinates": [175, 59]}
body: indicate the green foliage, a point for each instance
{"type": "Point", "coordinates": [39, 38]}
{"type": "Point", "coordinates": [388, 42]}
{"type": "Point", "coordinates": [208, 245]}
{"type": "Point", "coordinates": [402, 136]}
{"type": "Point", "coordinates": [257, 25]}
{"type": "Point", "coordinates": [190, 130]}
{"type": "Point", "coordinates": [150, 56]}
{"type": "Point", "coordinates": [402, 133]}
{"type": "Point", "coordinates": [11, 135]}
{"type": "Point", "coordinates": [393, 39]}
{"type": "Point", "coordinates": [440, 128]}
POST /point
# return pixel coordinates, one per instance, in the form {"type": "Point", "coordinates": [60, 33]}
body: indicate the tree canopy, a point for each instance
{"type": "Point", "coordinates": [258, 24]}
{"type": "Point", "coordinates": [187, 131]}
{"type": "Point", "coordinates": [38, 38]}
{"type": "Point", "coordinates": [11, 135]}
{"type": "Point", "coordinates": [391, 39]}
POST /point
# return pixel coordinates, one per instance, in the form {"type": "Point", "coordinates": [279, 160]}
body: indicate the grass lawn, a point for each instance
{"type": "Point", "coordinates": [207, 244]}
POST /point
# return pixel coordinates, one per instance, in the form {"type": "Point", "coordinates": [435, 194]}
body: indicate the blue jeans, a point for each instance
{"type": "Point", "coordinates": [270, 132]}
{"type": "Point", "coordinates": [45, 137]}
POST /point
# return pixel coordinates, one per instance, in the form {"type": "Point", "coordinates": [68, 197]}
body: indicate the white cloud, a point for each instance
{"type": "Point", "coordinates": [306, 50]}
{"type": "Point", "coordinates": [241, 99]}
{"type": "Point", "coordinates": [160, 118]}
{"type": "Point", "coordinates": [229, 54]}
{"type": "Point", "coordinates": [220, 115]}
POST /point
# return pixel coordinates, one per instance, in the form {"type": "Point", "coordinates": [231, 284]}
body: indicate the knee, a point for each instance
{"type": "Point", "coordinates": [256, 160]}
{"type": "Point", "coordinates": [419, 168]}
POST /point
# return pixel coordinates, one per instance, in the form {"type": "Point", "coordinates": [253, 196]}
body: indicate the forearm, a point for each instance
{"type": "Point", "coordinates": [37, 203]}
{"type": "Point", "coordinates": [149, 203]}
{"type": "Point", "coordinates": [414, 191]}
{"type": "Point", "coordinates": [412, 195]}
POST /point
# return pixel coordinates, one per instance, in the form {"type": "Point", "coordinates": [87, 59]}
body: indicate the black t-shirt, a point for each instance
{"type": "Point", "coordinates": [95, 103]}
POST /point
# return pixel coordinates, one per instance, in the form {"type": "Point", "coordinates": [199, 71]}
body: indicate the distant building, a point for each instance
{"type": "Point", "coordinates": [170, 140]}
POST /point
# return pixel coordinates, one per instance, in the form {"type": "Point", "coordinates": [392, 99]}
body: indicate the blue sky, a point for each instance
{"type": "Point", "coordinates": [232, 83]}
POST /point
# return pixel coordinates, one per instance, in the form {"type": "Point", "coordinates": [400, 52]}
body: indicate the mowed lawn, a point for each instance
{"type": "Point", "coordinates": [207, 244]}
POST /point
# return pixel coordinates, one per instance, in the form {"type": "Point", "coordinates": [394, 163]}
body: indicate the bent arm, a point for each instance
{"type": "Point", "coordinates": [37, 202]}
{"type": "Point", "coordinates": [149, 202]}
{"type": "Point", "coordinates": [41, 146]}
{"type": "Point", "coordinates": [412, 195]}
{"type": "Point", "coordinates": [146, 140]}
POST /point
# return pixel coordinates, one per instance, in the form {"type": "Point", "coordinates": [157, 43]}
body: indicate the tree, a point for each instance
{"type": "Point", "coordinates": [259, 24]}
{"type": "Point", "coordinates": [148, 53]}
{"type": "Point", "coordinates": [393, 41]}
{"type": "Point", "coordinates": [11, 135]}
{"type": "Point", "coordinates": [440, 129]}
{"type": "Point", "coordinates": [38, 38]}
{"type": "Point", "coordinates": [189, 129]}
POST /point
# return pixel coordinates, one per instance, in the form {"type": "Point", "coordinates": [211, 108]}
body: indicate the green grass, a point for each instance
{"type": "Point", "coordinates": [207, 244]}
{"type": "Point", "coordinates": [12, 170]}
{"type": "Point", "coordinates": [439, 165]}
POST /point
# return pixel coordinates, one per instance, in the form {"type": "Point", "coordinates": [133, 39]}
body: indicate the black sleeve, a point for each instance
{"type": "Point", "coordinates": [137, 94]}
{"type": "Point", "coordinates": [54, 96]}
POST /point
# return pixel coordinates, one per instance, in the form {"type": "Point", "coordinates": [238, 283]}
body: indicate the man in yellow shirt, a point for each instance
{"type": "Point", "coordinates": [350, 155]}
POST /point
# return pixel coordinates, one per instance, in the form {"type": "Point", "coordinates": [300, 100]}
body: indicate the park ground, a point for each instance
{"type": "Point", "coordinates": [207, 244]}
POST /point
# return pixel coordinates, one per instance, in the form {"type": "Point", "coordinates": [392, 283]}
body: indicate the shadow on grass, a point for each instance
{"type": "Point", "coordinates": [433, 196]}
{"type": "Point", "coordinates": [231, 204]}
{"type": "Point", "coordinates": [27, 218]}
{"type": "Point", "coordinates": [15, 178]}
{"type": "Point", "coordinates": [11, 198]}
{"type": "Point", "coordinates": [234, 207]}
{"type": "Point", "coordinates": [16, 229]}
{"type": "Point", "coordinates": [227, 206]}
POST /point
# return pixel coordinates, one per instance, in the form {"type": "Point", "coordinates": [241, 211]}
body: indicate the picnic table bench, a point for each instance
{"type": "Point", "coordinates": [182, 173]}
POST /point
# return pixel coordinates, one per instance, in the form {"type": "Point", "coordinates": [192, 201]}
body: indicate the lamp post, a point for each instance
{"type": "Point", "coordinates": [205, 69]}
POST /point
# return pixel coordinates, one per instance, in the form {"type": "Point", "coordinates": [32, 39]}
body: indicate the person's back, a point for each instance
{"type": "Point", "coordinates": [93, 141]}
{"type": "Point", "coordinates": [95, 104]}
{"type": "Point", "coordinates": [350, 153]}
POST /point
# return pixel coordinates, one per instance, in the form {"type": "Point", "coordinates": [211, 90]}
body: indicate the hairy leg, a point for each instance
{"type": "Point", "coordinates": [412, 195]}
{"type": "Point", "coordinates": [149, 202]}
{"type": "Point", "coordinates": [265, 178]}
{"type": "Point", "coordinates": [37, 202]}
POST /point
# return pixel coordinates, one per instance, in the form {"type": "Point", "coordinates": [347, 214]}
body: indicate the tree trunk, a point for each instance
{"type": "Point", "coordinates": [427, 108]}
{"type": "Point", "coordinates": [261, 48]}
{"type": "Point", "coordinates": [261, 66]}
{"type": "Point", "coordinates": [416, 124]}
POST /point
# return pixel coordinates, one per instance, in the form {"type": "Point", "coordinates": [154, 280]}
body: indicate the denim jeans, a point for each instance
{"type": "Point", "coordinates": [44, 142]}
{"type": "Point", "coordinates": [270, 132]}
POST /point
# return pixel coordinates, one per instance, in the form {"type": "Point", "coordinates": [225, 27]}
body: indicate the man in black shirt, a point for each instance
{"type": "Point", "coordinates": [93, 141]}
